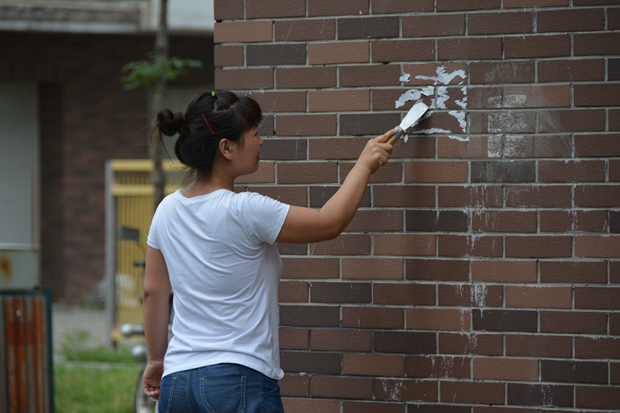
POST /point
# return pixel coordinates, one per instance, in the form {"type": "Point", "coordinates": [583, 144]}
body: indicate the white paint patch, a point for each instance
{"type": "Point", "coordinates": [494, 146]}
{"type": "Point", "coordinates": [515, 101]}
{"type": "Point", "coordinates": [414, 94]}
{"type": "Point", "coordinates": [495, 101]}
{"type": "Point", "coordinates": [510, 121]}
{"type": "Point", "coordinates": [441, 96]}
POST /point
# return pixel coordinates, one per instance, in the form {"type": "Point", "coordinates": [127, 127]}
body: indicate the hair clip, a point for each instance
{"type": "Point", "coordinates": [213, 93]}
{"type": "Point", "coordinates": [208, 124]}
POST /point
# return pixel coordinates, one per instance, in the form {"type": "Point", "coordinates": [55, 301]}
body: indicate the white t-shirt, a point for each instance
{"type": "Point", "coordinates": [224, 269]}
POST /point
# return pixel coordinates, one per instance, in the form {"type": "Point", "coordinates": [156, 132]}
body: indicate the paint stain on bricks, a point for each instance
{"type": "Point", "coordinates": [440, 96]}
{"type": "Point", "coordinates": [393, 392]}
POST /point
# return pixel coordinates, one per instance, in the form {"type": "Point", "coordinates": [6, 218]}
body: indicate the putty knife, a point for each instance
{"type": "Point", "coordinates": [410, 119]}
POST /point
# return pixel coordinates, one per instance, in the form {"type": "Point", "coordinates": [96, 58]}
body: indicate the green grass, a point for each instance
{"type": "Point", "coordinates": [94, 379]}
{"type": "Point", "coordinates": [91, 389]}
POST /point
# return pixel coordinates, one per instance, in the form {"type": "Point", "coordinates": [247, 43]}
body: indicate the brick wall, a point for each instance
{"type": "Point", "coordinates": [482, 272]}
{"type": "Point", "coordinates": [85, 119]}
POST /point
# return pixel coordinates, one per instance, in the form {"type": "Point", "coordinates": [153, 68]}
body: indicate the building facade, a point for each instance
{"type": "Point", "coordinates": [482, 272]}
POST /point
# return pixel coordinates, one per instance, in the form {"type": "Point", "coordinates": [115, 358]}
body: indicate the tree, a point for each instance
{"type": "Point", "coordinates": [154, 72]}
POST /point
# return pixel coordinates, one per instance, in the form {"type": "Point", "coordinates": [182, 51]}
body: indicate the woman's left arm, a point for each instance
{"type": "Point", "coordinates": [155, 306]}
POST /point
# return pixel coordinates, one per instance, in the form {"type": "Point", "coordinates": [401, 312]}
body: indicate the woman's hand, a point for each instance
{"type": "Point", "coordinates": [377, 152]}
{"type": "Point", "coordinates": [151, 380]}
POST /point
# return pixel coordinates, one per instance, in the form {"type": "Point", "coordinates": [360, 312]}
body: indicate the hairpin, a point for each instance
{"type": "Point", "coordinates": [207, 122]}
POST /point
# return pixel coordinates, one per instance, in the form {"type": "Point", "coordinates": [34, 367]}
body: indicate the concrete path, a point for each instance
{"type": "Point", "coordinates": [71, 320]}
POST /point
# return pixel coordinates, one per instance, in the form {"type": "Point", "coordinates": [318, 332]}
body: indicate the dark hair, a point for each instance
{"type": "Point", "coordinates": [229, 116]}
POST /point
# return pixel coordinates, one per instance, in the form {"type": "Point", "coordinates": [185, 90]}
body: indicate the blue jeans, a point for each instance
{"type": "Point", "coordinates": [221, 388]}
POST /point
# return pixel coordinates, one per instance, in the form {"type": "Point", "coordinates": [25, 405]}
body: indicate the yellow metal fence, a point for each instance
{"type": "Point", "coordinates": [131, 195]}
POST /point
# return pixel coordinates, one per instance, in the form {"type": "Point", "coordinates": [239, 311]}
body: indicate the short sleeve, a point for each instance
{"type": "Point", "coordinates": [264, 216]}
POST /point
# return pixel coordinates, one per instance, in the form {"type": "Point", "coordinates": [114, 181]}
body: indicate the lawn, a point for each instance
{"type": "Point", "coordinates": [94, 380]}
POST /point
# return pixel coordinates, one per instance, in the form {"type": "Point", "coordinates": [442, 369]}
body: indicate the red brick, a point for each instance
{"type": "Point", "coordinates": [373, 317]}
{"type": "Point", "coordinates": [343, 52]}
{"type": "Point", "coordinates": [571, 70]}
{"type": "Point", "coordinates": [438, 366]}
{"type": "Point", "coordinates": [339, 100]}
{"type": "Point", "coordinates": [411, 390]}
{"type": "Point", "coordinates": [471, 343]}
{"type": "Point", "coordinates": [614, 170]}
{"type": "Point", "coordinates": [502, 72]}
{"type": "Point", "coordinates": [310, 268]}
{"type": "Point", "coordinates": [613, 19]}
{"type": "Point", "coordinates": [304, 30]}
{"type": "Point", "coordinates": [451, 5]}
{"type": "Point", "coordinates": [404, 244]}
{"type": "Point", "coordinates": [538, 196]}
{"type": "Point", "coordinates": [238, 79]}
{"type": "Point", "coordinates": [536, 46]}
{"type": "Point", "coordinates": [437, 319]}
{"type": "Point", "coordinates": [469, 49]}
{"type": "Point", "coordinates": [295, 386]}
{"type": "Point", "coordinates": [597, 298]}
{"type": "Point", "coordinates": [597, 348]}
{"type": "Point", "coordinates": [401, 51]}
{"type": "Point", "coordinates": [538, 246]}
{"type": "Point", "coordinates": [289, 195]}
{"type": "Point", "coordinates": [228, 9]}
{"type": "Point", "coordinates": [504, 221]}
{"type": "Point", "coordinates": [614, 119]}
{"type": "Point", "coordinates": [346, 244]}
{"type": "Point", "coordinates": [469, 246]}
{"type": "Point", "coordinates": [597, 246]}
{"type": "Point", "coordinates": [614, 324]}
{"type": "Point", "coordinates": [306, 125]}
{"type": "Point", "coordinates": [475, 147]}
{"type": "Point", "coordinates": [433, 25]}
{"type": "Point", "coordinates": [604, 145]}
{"type": "Point", "coordinates": [594, 44]}
{"type": "Point", "coordinates": [597, 95]}
{"type": "Point", "coordinates": [437, 270]}
{"type": "Point", "coordinates": [403, 196]}
{"type": "Point", "coordinates": [545, 146]}
{"type": "Point", "coordinates": [595, 397]}
{"type": "Point", "coordinates": [504, 271]}
{"type": "Point", "coordinates": [597, 196]}
{"type": "Point", "coordinates": [576, 20]}
{"type": "Point", "coordinates": [376, 75]}
{"type": "Point", "coordinates": [377, 221]}
{"type": "Point", "coordinates": [294, 339]}
{"type": "Point", "coordinates": [472, 392]}
{"type": "Point", "coordinates": [574, 272]}
{"type": "Point", "coordinates": [243, 32]}
{"type": "Point", "coordinates": [228, 56]}
{"type": "Point", "coordinates": [538, 297]}
{"type": "Point", "coordinates": [305, 77]}
{"type": "Point", "coordinates": [341, 340]}
{"type": "Point", "coordinates": [507, 121]}
{"type": "Point", "coordinates": [262, 9]}
{"type": "Point", "coordinates": [280, 101]}
{"type": "Point", "coordinates": [436, 172]}
{"type": "Point", "coordinates": [506, 369]}
{"type": "Point", "coordinates": [537, 96]}
{"type": "Point", "coordinates": [373, 365]}
{"type": "Point", "coordinates": [572, 322]}
{"type": "Point", "coordinates": [341, 387]}
{"type": "Point", "coordinates": [401, 6]}
{"type": "Point", "coordinates": [475, 196]}
{"type": "Point", "coordinates": [310, 406]}
{"type": "Point", "coordinates": [571, 171]}
{"type": "Point", "coordinates": [500, 23]}
{"type": "Point", "coordinates": [534, 3]}
{"type": "Point", "coordinates": [309, 316]}
{"type": "Point", "coordinates": [344, 7]}
{"type": "Point", "coordinates": [615, 373]}
{"type": "Point", "coordinates": [575, 220]}
{"type": "Point", "coordinates": [474, 295]}
{"type": "Point", "coordinates": [370, 407]}
{"type": "Point", "coordinates": [311, 172]}
{"type": "Point", "coordinates": [265, 174]}
{"type": "Point", "coordinates": [403, 294]}
{"type": "Point", "coordinates": [372, 268]}
{"type": "Point", "coordinates": [390, 173]}
{"type": "Point", "coordinates": [539, 346]}
{"type": "Point", "coordinates": [293, 292]}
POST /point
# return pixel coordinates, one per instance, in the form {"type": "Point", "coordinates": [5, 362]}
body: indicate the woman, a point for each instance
{"type": "Point", "coordinates": [216, 250]}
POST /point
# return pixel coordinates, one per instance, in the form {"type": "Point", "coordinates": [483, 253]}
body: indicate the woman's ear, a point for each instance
{"type": "Point", "coordinates": [226, 148]}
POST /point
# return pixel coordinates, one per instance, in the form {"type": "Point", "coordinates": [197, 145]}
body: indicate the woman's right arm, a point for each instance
{"type": "Point", "coordinates": [307, 225]}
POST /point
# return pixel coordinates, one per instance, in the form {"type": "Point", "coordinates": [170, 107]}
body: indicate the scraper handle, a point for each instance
{"type": "Point", "coordinates": [396, 136]}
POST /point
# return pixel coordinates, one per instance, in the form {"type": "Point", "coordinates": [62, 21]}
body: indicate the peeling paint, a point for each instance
{"type": "Point", "coordinates": [405, 77]}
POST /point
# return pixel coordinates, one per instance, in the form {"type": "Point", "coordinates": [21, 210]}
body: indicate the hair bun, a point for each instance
{"type": "Point", "coordinates": [171, 123]}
